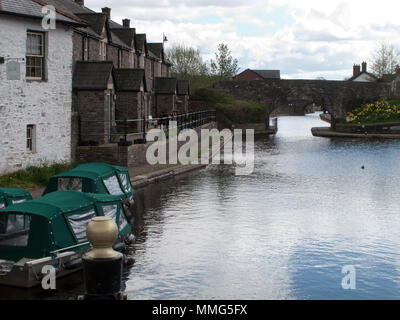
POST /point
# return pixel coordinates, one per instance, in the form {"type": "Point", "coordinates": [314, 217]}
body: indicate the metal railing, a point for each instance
{"type": "Point", "coordinates": [131, 128]}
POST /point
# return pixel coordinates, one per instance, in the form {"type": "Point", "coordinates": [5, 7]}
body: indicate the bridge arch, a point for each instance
{"type": "Point", "coordinates": [337, 97]}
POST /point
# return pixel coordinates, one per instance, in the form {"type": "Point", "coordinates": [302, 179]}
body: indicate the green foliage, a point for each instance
{"type": "Point", "coordinates": [225, 67]}
{"type": "Point", "coordinates": [385, 60]}
{"type": "Point", "coordinates": [212, 96]}
{"type": "Point", "coordinates": [34, 177]}
{"type": "Point", "coordinates": [230, 110]}
{"type": "Point", "coordinates": [186, 62]}
{"type": "Point", "coordinates": [377, 112]}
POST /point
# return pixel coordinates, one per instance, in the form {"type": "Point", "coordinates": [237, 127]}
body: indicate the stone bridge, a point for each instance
{"type": "Point", "coordinates": [337, 97]}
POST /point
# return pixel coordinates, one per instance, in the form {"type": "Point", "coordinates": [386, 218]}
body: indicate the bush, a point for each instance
{"type": "Point", "coordinates": [229, 110]}
{"type": "Point", "coordinates": [379, 111]}
{"type": "Point", "coordinates": [34, 177]}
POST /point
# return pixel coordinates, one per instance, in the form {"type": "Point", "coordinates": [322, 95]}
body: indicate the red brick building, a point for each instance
{"type": "Point", "coordinates": [250, 74]}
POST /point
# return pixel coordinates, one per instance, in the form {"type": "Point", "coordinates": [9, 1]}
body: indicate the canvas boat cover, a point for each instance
{"type": "Point", "coordinates": [94, 178]}
{"type": "Point", "coordinates": [9, 196]}
{"type": "Point", "coordinates": [55, 221]}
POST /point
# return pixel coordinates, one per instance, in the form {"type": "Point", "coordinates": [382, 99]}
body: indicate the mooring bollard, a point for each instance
{"type": "Point", "coordinates": [102, 266]}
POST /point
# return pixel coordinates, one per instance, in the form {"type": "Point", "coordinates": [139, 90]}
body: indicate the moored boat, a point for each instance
{"type": "Point", "coordinates": [95, 178]}
{"type": "Point", "coordinates": [9, 196]}
{"type": "Point", "coordinates": [51, 231]}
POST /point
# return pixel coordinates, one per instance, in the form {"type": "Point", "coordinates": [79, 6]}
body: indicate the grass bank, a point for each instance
{"type": "Point", "coordinates": [230, 110]}
{"type": "Point", "coordinates": [34, 177]}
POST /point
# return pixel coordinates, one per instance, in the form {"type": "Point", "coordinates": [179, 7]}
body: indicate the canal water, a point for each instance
{"type": "Point", "coordinates": [283, 232]}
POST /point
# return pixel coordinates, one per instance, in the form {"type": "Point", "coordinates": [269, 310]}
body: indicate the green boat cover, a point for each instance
{"type": "Point", "coordinates": [55, 221]}
{"type": "Point", "coordinates": [8, 196]}
{"type": "Point", "coordinates": [94, 178]}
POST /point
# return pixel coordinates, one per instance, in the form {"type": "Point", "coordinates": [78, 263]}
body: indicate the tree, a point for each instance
{"type": "Point", "coordinates": [186, 62]}
{"type": "Point", "coordinates": [224, 66]}
{"type": "Point", "coordinates": [385, 60]}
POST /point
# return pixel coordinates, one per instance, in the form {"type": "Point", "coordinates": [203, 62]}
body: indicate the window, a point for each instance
{"type": "Point", "coordinates": [14, 230]}
{"type": "Point", "coordinates": [110, 211]}
{"type": "Point", "coordinates": [69, 184]}
{"type": "Point", "coordinates": [31, 137]}
{"type": "Point", "coordinates": [119, 59]}
{"type": "Point", "coordinates": [113, 186]}
{"type": "Point", "coordinates": [125, 182]}
{"type": "Point", "coordinates": [35, 56]}
{"type": "Point", "coordinates": [122, 220]}
{"type": "Point", "coordinates": [79, 222]}
{"type": "Point", "coordinates": [85, 49]}
{"type": "Point", "coordinates": [103, 51]}
{"type": "Point", "coordinates": [18, 201]}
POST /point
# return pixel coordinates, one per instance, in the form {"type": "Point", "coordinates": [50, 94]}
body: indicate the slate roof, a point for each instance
{"type": "Point", "coordinates": [33, 8]}
{"type": "Point", "coordinates": [165, 85]}
{"type": "Point", "coordinates": [156, 49]}
{"type": "Point", "coordinates": [92, 75]}
{"type": "Point", "coordinates": [69, 6]}
{"type": "Point", "coordinates": [129, 79]}
{"type": "Point", "coordinates": [140, 40]}
{"type": "Point", "coordinates": [268, 74]}
{"type": "Point", "coordinates": [183, 87]}
{"type": "Point", "coordinates": [127, 35]}
{"type": "Point", "coordinates": [95, 20]}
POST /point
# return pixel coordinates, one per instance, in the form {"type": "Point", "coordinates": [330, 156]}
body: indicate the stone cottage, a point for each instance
{"type": "Point", "coordinates": [35, 85]}
{"type": "Point", "coordinates": [94, 100]}
{"type": "Point", "coordinates": [42, 108]}
{"type": "Point", "coordinates": [131, 91]}
{"type": "Point", "coordinates": [182, 97]}
{"type": "Point", "coordinates": [165, 90]}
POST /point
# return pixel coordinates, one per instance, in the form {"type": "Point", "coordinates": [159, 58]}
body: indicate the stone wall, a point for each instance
{"type": "Point", "coordinates": [94, 49]}
{"type": "Point", "coordinates": [165, 104]}
{"type": "Point", "coordinates": [182, 103]}
{"type": "Point", "coordinates": [78, 46]}
{"type": "Point", "coordinates": [339, 97]}
{"type": "Point", "coordinates": [92, 106]}
{"type": "Point", "coordinates": [129, 106]}
{"type": "Point", "coordinates": [45, 104]}
{"type": "Point", "coordinates": [112, 55]}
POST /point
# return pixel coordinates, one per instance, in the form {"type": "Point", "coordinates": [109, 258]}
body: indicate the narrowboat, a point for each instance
{"type": "Point", "coordinates": [9, 196]}
{"type": "Point", "coordinates": [51, 230]}
{"type": "Point", "coordinates": [95, 178]}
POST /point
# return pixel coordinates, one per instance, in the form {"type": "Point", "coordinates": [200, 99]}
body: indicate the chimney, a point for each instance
{"type": "Point", "coordinates": [80, 2]}
{"type": "Point", "coordinates": [364, 67]}
{"type": "Point", "coordinates": [356, 70]}
{"type": "Point", "coordinates": [107, 12]}
{"type": "Point", "coordinates": [126, 23]}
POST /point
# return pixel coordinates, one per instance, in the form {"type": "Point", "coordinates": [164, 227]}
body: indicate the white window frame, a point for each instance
{"type": "Point", "coordinates": [31, 138]}
{"type": "Point", "coordinates": [31, 55]}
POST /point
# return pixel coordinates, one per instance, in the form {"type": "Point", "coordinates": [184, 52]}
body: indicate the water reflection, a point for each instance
{"type": "Point", "coordinates": [284, 232]}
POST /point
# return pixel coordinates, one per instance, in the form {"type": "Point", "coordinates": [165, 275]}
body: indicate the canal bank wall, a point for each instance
{"type": "Point", "coordinates": [143, 174]}
{"type": "Point", "coordinates": [326, 132]}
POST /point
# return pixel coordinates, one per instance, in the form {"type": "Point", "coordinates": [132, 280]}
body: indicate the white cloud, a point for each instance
{"type": "Point", "coordinates": [325, 38]}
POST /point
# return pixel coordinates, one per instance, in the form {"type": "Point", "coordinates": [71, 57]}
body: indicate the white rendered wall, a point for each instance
{"type": "Point", "coordinates": [46, 104]}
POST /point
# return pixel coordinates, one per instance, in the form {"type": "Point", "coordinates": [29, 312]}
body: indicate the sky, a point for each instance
{"type": "Point", "coordinates": [304, 39]}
